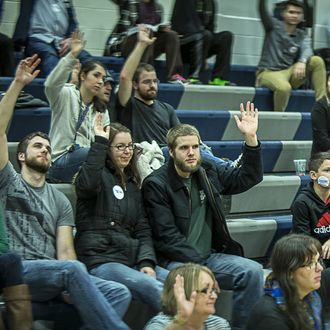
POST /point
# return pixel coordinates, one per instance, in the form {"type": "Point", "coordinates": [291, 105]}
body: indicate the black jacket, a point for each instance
{"type": "Point", "coordinates": [321, 125]}
{"type": "Point", "coordinates": [108, 228]}
{"type": "Point", "coordinates": [266, 315]}
{"type": "Point", "coordinates": [310, 215]}
{"type": "Point", "coordinates": [167, 204]}
{"type": "Point", "coordinates": [185, 19]}
{"type": "Point", "coordinates": [206, 10]}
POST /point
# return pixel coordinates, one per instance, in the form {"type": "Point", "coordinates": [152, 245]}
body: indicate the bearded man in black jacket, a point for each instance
{"type": "Point", "coordinates": [183, 203]}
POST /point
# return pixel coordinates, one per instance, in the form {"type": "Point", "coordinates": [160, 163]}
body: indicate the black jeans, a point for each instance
{"type": "Point", "coordinates": [219, 44]}
{"type": "Point", "coordinates": [7, 62]}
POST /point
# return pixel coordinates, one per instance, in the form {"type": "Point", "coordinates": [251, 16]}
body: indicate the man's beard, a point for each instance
{"type": "Point", "coordinates": [147, 96]}
{"type": "Point", "coordinates": [40, 167]}
{"type": "Point", "coordinates": [182, 166]}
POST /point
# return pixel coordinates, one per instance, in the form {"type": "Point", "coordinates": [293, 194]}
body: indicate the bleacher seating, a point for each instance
{"type": "Point", "coordinates": [257, 218]}
{"type": "Point", "coordinates": [213, 125]}
{"type": "Point", "coordinates": [202, 96]}
{"type": "Point", "coordinates": [218, 130]}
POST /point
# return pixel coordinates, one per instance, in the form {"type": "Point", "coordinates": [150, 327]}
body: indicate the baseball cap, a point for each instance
{"type": "Point", "coordinates": [108, 77]}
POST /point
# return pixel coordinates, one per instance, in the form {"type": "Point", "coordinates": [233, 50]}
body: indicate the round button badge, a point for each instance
{"type": "Point", "coordinates": [118, 192]}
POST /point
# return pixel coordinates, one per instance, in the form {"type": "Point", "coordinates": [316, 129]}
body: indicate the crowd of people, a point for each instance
{"type": "Point", "coordinates": [161, 238]}
{"type": "Point", "coordinates": [190, 37]}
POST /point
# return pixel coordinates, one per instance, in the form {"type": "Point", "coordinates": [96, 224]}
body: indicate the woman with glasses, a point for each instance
{"type": "Point", "coordinates": [290, 300]}
{"type": "Point", "coordinates": [188, 301]}
{"type": "Point", "coordinates": [113, 235]}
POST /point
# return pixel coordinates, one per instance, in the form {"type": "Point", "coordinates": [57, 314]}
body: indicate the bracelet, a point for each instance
{"type": "Point", "coordinates": [179, 321]}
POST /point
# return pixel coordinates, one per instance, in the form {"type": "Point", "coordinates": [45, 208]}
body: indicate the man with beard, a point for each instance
{"type": "Point", "coordinates": [39, 221]}
{"type": "Point", "coordinates": [183, 203]}
{"type": "Point", "coordinates": [147, 118]}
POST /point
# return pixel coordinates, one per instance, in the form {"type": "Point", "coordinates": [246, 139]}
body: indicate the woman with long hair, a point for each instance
{"type": "Point", "coordinates": [290, 300]}
{"type": "Point", "coordinates": [73, 110]}
{"type": "Point", "coordinates": [321, 121]}
{"type": "Point", "coordinates": [188, 301]}
{"type": "Point", "coordinates": [113, 236]}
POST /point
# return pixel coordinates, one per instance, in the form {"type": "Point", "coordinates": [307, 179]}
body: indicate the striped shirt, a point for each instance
{"type": "Point", "coordinates": [213, 322]}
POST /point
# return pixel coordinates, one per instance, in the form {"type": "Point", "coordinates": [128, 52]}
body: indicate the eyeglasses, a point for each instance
{"type": "Point", "coordinates": [208, 291]}
{"type": "Point", "coordinates": [123, 147]}
{"type": "Point", "coordinates": [314, 264]}
{"type": "Point", "coordinates": [150, 81]}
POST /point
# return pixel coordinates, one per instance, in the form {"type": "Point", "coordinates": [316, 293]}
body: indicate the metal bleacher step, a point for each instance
{"type": "Point", "coordinates": [203, 96]}
{"type": "Point", "coordinates": [215, 125]}
{"type": "Point", "coordinates": [277, 156]}
{"type": "Point", "coordinates": [274, 195]}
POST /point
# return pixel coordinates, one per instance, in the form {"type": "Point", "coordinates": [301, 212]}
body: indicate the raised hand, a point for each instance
{"type": "Point", "coordinates": [26, 70]}
{"type": "Point", "coordinates": [77, 42]}
{"type": "Point", "coordinates": [149, 271]}
{"type": "Point", "coordinates": [299, 70]}
{"type": "Point", "coordinates": [247, 123]}
{"type": "Point", "coordinates": [144, 35]}
{"type": "Point", "coordinates": [65, 46]}
{"type": "Point", "coordinates": [99, 129]}
{"type": "Point", "coordinates": [75, 74]}
{"type": "Point", "coordinates": [184, 307]}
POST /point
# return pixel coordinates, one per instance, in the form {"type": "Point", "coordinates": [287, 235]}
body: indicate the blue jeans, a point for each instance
{"type": "Point", "coordinates": [10, 270]}
{"type": "Point", "coordinates": [49, 55]}
{"type": "Point", "coordinates": [243, 276]}
{"type": "Point", "coordinates": [143, 287]}
{"type": "Point", "coordinates": [47, 279]}
{"type": "Point", "coordinates": [65, 167]}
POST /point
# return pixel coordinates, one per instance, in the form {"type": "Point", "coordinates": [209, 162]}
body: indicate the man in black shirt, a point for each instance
{"type": "Point", "coordinates": [148, 118]}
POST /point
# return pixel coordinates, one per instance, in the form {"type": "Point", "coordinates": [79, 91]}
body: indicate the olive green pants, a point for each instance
{"type": "Point", "coordinates": [281, 82]}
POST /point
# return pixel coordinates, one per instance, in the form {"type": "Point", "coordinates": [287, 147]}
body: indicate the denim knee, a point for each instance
{"type": "Point", "coordinates": [253, 272]}
{"type": "Point", "coordinates": [73, 267]}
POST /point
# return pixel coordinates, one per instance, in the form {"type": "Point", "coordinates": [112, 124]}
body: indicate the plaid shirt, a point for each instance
{"type": "Point", "coordinates": [129, 11]}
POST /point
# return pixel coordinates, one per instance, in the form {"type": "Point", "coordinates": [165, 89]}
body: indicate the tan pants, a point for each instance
{"type": "Point", "coordinates": [281, 82]}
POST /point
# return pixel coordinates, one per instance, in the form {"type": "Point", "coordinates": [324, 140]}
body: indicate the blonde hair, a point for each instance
{"type": "Point", "coordinates": [191, 274]}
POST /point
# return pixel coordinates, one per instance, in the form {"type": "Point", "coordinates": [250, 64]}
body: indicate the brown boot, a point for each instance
{"type": "Point", "coordinates": [18, 306]}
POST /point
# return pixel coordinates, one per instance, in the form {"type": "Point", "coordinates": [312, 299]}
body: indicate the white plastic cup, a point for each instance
{"type": "Point", "coordinates": [300, 166]}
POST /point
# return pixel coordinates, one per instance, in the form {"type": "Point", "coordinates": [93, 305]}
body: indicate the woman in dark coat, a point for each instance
{"type": "Point", "coordinates": [291, 301]}
{"type": "Point", "coordinates": [113, 237]}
